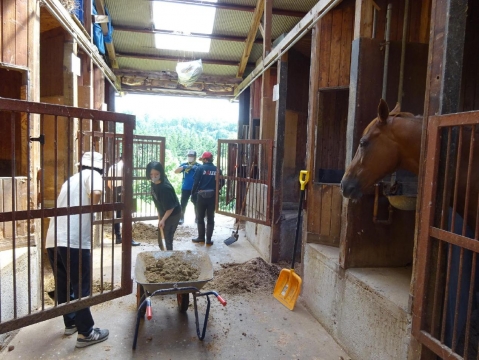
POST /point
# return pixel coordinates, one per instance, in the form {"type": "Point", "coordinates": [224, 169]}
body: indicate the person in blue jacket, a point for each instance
{"type": "Point", "coordinates": [204, 189]}
{"type": "Point", "coordinates": [188, 169]}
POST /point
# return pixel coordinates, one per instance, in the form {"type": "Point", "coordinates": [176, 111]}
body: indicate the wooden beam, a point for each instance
{"type": "Point", "coordinates": [173, 76]}
{"type": "Point", "coordinates": [222, 6]}
{"type": "Point", "coordinates": [170, 32]}
{"type": "Point", "coordinates": [301, 28]}
{"type": "Point", "coordinates": [278, 160]}
{"type": "Point", "coordinates": [175, 58]}
{"type": "Point", "coordinates": [253, 30]}
{"type": "Point", "coordinates": [268, 22]}
{"type": "Point", "coordinates": [110, 48]}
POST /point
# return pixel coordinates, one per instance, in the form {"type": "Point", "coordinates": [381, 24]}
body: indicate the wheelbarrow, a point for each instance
{"type": "Point", "coordinates": [182, 289]}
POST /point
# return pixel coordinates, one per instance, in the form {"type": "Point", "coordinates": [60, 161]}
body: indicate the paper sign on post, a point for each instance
{"type": "Point", "coordinates": [76, 65]}
{"type": "Point", "coordinates": [276, 92]}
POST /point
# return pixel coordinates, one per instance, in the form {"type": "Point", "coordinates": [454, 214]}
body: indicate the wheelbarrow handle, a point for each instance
{"type": "Point", "coordinates": [221, 300]}
{"type": "Point", "coordinates": [149, 311]}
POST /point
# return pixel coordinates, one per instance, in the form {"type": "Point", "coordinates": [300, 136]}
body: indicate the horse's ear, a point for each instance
{"type": "Point", "coordinates": [383, 112]}
{"type": "Point", "coordinates": [397, 109]}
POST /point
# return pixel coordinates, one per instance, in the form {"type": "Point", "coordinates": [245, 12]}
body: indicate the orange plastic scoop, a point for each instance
{"type": "Point", "coordinates": [288, 285]}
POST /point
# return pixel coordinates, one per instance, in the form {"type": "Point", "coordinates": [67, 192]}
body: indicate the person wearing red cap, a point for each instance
{"type": "Point", "coordinates": [204, 188]}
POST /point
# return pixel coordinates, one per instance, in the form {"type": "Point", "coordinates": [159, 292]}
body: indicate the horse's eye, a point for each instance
{"type": "Point", "coordinates": [363, 143]}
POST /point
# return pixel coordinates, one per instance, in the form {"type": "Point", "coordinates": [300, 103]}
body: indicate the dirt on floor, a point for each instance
{"type": "Point", "coordinates": [255, 275]}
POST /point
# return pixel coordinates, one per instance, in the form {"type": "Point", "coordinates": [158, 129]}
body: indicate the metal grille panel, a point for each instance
{"type": "Point", "coordinates": [44, 145]}
{"type": "Point", "coordinates": [246, 169]}
{"type": "Point", "coordinates": [446, 308]}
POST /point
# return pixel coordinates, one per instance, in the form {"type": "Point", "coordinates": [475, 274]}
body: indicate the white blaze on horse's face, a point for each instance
{"type": "Point", "coordinates": [376, 156]}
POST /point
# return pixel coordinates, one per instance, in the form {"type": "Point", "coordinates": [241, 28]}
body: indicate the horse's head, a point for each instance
{"type": "Point", "coordinates": [376, 156]}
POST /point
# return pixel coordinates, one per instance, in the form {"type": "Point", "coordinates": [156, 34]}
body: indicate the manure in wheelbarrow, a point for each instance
{"type": "Point", "coordinates": [170, 269]}
{"type": "Point", "coordinates": [249, 277]}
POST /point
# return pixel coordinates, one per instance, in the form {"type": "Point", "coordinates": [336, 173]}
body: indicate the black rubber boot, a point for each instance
{"type": "Point", "coordinates": [209, 233]}
{"type": "Point", "coordinates": [201, 234]}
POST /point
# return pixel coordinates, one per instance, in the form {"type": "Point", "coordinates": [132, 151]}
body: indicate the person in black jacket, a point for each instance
{"type": "Point", "coordinates": [166, 201]}
{"type": "Point", "coordinates": [204, 188]}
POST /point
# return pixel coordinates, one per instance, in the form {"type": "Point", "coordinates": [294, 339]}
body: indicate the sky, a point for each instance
{"type": "Point", "coordinates": [170, 107]}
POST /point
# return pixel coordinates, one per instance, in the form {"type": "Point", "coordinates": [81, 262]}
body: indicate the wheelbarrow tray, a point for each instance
{"type": "Point", "coordinates": [200, 260]}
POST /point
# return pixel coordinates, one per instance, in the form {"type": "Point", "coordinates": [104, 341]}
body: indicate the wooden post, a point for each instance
{"type": "Point", "coordinates": [278, 158]}
{"type": "Point", "coordinates": [443, 88]}
{"type": "Point", "coordinates": [70, 94]}
{"type": "Point", "coordinates": [311, 126]}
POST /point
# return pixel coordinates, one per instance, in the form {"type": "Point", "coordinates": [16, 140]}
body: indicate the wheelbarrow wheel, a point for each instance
{"type": "Point", "coordinates": [183, 302]}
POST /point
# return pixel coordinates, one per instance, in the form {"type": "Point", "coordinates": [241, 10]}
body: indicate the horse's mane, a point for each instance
{"type": "Point", "coordinates": [406, 115]}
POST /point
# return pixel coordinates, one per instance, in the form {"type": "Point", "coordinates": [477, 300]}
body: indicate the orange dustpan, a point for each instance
{"type": "Point", "coordinates": [288, 285]}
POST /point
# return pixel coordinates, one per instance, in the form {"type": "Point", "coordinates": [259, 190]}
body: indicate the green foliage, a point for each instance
{"type": "Point", "coordinates": [183, 135]}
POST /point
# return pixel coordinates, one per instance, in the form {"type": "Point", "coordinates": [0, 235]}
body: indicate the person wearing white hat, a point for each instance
{"type": "Point", "coordinates": [69, 243]}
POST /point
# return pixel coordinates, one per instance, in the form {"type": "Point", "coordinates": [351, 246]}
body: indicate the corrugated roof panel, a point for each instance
{"type": "Point", "coordinates": [123, 12]}
{"type": "Point", "coordinates": [229, 22]}
{"type": "Point", "coordinates": [297, 5]}
{"type": "Point", "coordinates": [163, 65]}
{"type": "Point", "coordinates": [140, 43]}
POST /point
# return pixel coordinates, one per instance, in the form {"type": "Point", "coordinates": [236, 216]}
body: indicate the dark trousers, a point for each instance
{"type": "Point", "coordinates": [185, 196]}
{"type": "Point", "coordinates": [205, 207]}
{"type": "Point", "coordinates": [81, 318]}
{"type": "Point", "coordinates": [117, 198]}
{"type": "Point", "coordinates": [169, 230]}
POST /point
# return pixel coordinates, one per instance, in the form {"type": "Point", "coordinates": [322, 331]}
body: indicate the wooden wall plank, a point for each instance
{"type": "Point", "coordinates": [51, 63]}
{"type": "Point", "coordinates": [8, 35]}
{"type": "Point", "coordinates": [21, 39]}
{"type": "Point", "coordinates": [346, 39]}
{"type": "Point", "coordinates": [314, 210]}
{"type": "Point", "coordinates": [425, 22]}
{"type": "Point", "coordinates": [336, 208]}
{"type": "Point", "coordinates": [325, 49]}
{"type": "Point", "coordinates": [326, 199]}
{"type": "Point", "coordinates": [335, 57]}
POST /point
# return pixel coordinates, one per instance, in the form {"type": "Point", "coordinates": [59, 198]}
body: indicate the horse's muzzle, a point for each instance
{"type": "Point", "coordinates": [351, 188]}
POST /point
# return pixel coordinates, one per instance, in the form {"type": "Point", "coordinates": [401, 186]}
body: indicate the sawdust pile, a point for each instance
{"type": "Point", "coordinates": [252, 276]}
{"type": "Point", "coordinates": [170, 269]}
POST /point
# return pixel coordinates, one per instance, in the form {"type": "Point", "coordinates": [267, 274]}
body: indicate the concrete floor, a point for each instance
{"type": "Point", "coordinates": [249, 327]}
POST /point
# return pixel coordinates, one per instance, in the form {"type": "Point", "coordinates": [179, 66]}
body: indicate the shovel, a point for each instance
{"type": "Point", "coordinates": [161, 236]}
{"type": "Point", "coordinates": [288, 285]}
{"type": "Point", "coordinates": [234, 236]}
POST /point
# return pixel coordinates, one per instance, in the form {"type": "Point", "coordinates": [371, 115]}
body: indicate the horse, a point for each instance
{"type": "Point", "coordinates": [392, 141]}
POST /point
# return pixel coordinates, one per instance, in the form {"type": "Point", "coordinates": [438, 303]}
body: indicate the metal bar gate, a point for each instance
{"type": "Point", "coordinates": [246, 170]}
{"type": "Point", "coordinates": [40, 150]}
{"type": "Point", "coordinates": [145, 149]}
{"type": "Point", "coordinates": [446, 294]}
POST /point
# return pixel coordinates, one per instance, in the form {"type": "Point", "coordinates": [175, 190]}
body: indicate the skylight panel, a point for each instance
{"type": "Point", "coordinates": [184, 19]}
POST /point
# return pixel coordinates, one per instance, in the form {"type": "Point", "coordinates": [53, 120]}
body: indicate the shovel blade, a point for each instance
{"type": "Point", "coordinates": [232, 239]}
{"type": "Point", "coordinates": [287, 288]}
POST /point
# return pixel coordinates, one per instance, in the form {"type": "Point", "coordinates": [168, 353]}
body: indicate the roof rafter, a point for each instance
{"type": "Point", "coordinates": [170, 32]}
{"type": "Point", "coordinates": [100, 8]}
{"type": "Point", "coordinates": [253, 30]}
{"type": "Point", "coordinates": [175, 58]}
{"type": "Point", "coordinates": [235, 7]}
